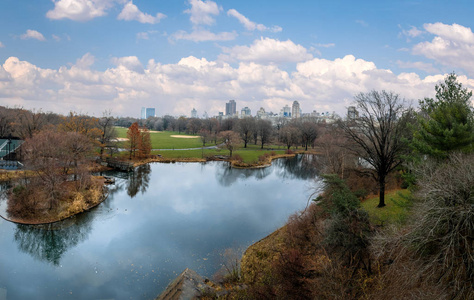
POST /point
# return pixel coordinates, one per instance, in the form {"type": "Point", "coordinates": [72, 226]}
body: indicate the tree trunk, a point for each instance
{"type": "Point", "coordinates": [381, 193]}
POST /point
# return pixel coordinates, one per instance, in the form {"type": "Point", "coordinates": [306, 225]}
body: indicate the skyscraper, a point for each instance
{"type": "Point", "coordinates": [295, 110]}
{"type": "Point", "coordinates": [150, 112]}
{"type": "Point", "coordinates": [147, 112]}
{"type": "Point", "coordinates": [230, 108]}
{"type": "Point", "coordinates": [286, 111]}
{"type": "Point", "coordinates": [194, 113]}
{"type": "Point", "coordinates": [245, 112]}
{"type": "Point", "coordinates": [352, 113]}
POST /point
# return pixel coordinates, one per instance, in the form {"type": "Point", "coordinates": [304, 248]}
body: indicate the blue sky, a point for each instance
{"type": "Point", "coordinates": [94, 55]}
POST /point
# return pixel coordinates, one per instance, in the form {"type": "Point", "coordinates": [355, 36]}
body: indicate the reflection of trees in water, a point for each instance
{"type": "Point", "coordinates": [301, 167]}
{"type": "Point", "coordinates": [227, 175]}
{"type": "Point", "coordinates": [138, 180]}
{"type": "Point", "coordinates": [4, 187]}
{"type": "Point", "coordinates": [49, 242]}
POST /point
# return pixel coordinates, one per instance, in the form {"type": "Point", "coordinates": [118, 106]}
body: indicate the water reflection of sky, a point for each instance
{"type": "Point", "coordinates": [131, 247]}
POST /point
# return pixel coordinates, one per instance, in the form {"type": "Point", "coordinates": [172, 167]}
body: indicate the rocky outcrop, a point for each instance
{"type": "Point", "coordinates": [188, 285]}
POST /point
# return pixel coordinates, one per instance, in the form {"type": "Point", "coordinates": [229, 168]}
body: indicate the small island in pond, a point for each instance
{"type": "Point", "coordinates": [36, 205]}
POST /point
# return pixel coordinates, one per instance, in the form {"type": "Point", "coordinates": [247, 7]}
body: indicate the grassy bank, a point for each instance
{"type": "Point", "coordinates": [395, 212]}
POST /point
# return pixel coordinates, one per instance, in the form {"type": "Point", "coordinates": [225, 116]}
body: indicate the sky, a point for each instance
{"type": "Point", "coordinates": [92, 56]}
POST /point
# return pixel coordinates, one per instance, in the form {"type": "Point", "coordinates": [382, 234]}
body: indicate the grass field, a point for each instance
{"type": "Point", "coordinates": [396, 209]}
{"type": "Point", "coordinates": [164, 139]}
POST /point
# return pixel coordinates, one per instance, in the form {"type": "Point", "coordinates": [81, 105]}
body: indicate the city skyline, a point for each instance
{"type": "Point", "coordinates": [95, 56]}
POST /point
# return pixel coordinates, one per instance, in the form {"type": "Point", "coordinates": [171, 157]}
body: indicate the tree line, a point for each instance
{"type": "Point", "coordinates": [58, 151]}
{"type": "Point", "coordinates": [333, 250]}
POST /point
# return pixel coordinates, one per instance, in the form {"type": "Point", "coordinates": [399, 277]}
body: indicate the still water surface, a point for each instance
{"type": "Point", "coordinates": [155, 223]}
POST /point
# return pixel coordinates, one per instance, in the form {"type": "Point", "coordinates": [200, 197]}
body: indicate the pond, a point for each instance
{"type": "Point", "coordinates": [156, 222]}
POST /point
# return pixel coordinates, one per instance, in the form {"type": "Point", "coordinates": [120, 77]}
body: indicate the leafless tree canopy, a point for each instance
{"type": "Point", "coordinates": [378, 132]}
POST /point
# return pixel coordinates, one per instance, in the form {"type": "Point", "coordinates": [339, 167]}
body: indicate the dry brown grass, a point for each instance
{"type": "Point", "coordinates": [31, 207]}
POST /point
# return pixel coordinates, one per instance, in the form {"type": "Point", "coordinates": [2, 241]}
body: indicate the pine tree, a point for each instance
{"type": "Point", "coordinates": [446, 123]}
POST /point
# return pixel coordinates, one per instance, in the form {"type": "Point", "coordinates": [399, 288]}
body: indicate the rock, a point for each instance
{"type": "Point", "coordinates": [188, 285]}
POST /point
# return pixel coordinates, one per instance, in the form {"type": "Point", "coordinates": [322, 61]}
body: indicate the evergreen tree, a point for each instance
{"type": "Point", "coordinates": [446, 123]}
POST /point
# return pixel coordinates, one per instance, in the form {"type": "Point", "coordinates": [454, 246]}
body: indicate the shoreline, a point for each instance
{"type": "Point", "coordinates": [101, 199]}
{"type": "Point", "coordinates": [10, 175]}
{"type": "Point", "coordinates": [234, 163]}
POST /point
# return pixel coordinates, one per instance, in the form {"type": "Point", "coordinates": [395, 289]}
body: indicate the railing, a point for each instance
{"type": "Point", "coordinates": [10, 165]}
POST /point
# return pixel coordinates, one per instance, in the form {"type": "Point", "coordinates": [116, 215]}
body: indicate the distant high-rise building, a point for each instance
{"type": "Point", "coordinates": [143, 114]}
{"type": "Point", "coordinates": [286, 111]}
{"type": "Point", "coordinates": [230, 108]}
{"type": "Point", "coordinates": [352, 113]}
{"type": "Point", "coordinates": [295, 110]}
{"type": "Point", "coordinates": [261, 113]}
{"type": "Point", "coordinates": [150, 112]}
{"type": "Point", "coordinates": [245, 112]}
{"type": "Point", "coordinates": [194, 113]}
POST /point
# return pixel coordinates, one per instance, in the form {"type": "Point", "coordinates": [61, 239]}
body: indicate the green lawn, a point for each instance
{"type": "Point", "coordinates": [164, 139]}
{"type": "Point", "coordinates": [396, 209]}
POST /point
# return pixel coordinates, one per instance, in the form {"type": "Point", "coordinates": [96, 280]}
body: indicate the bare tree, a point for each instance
{"type": "Point", "coordinates": [289, 135]}
{"type": "Point", "coordinates": [377, 134]}
{"type": "Point", "coordinates": [76, 148]}
{"type": "Point", "coordinates": [230, 140]}
{"type": "Point", "coordinates": [29, 122]}
{"type": "Point", "coordinates": [193, 125]}
{"type": "Point", "coordinates": [205, 136]}
{"type": "Point", "coordinates": [43, 156]}
{"type": "Point", "coordinates": [245, 128]}
{"type": "Point", "coordinates": [108, 133]}
{"type": "Point", "coordinates": [6, 122]}
{"type": "Point", "coordinates": [335, 150]}
{"type": "Point", "coordinates": [265, 130]}
{"type": "Point", "coordinates": [181, 124]}
{"type": "Point", "coordinates": [309, 133]}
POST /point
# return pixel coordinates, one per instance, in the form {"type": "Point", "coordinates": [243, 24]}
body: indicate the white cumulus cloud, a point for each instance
{"type": "Point", "coordinates": [202, 12]}
{"type": "Point", "coordinates": [453, 46]}
{"type": "Point", "coordinates": [267, 50]}
{"type": "Point", "coordinates": [32, 34]}
{"type": "Point", "coordinates": [318, 84]}
{"type": "Point", "coordinates": [130, 12]}
{"type": "Point", "coordinates": [131, 63]}
{"type": "Point", "coordinates": [79, 10]}
{"type": "Point", "coordinates": [249, 25]}
{"type": "Point", "coordinates": [454, 32]}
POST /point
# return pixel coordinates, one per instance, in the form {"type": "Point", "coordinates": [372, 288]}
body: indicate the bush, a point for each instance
{"type": "Point", "coordinates": [349, 227]}
{"type": "Point", "coordinates": [442, 234]}
{"type": "Point", "coordinates": [237, 157]}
